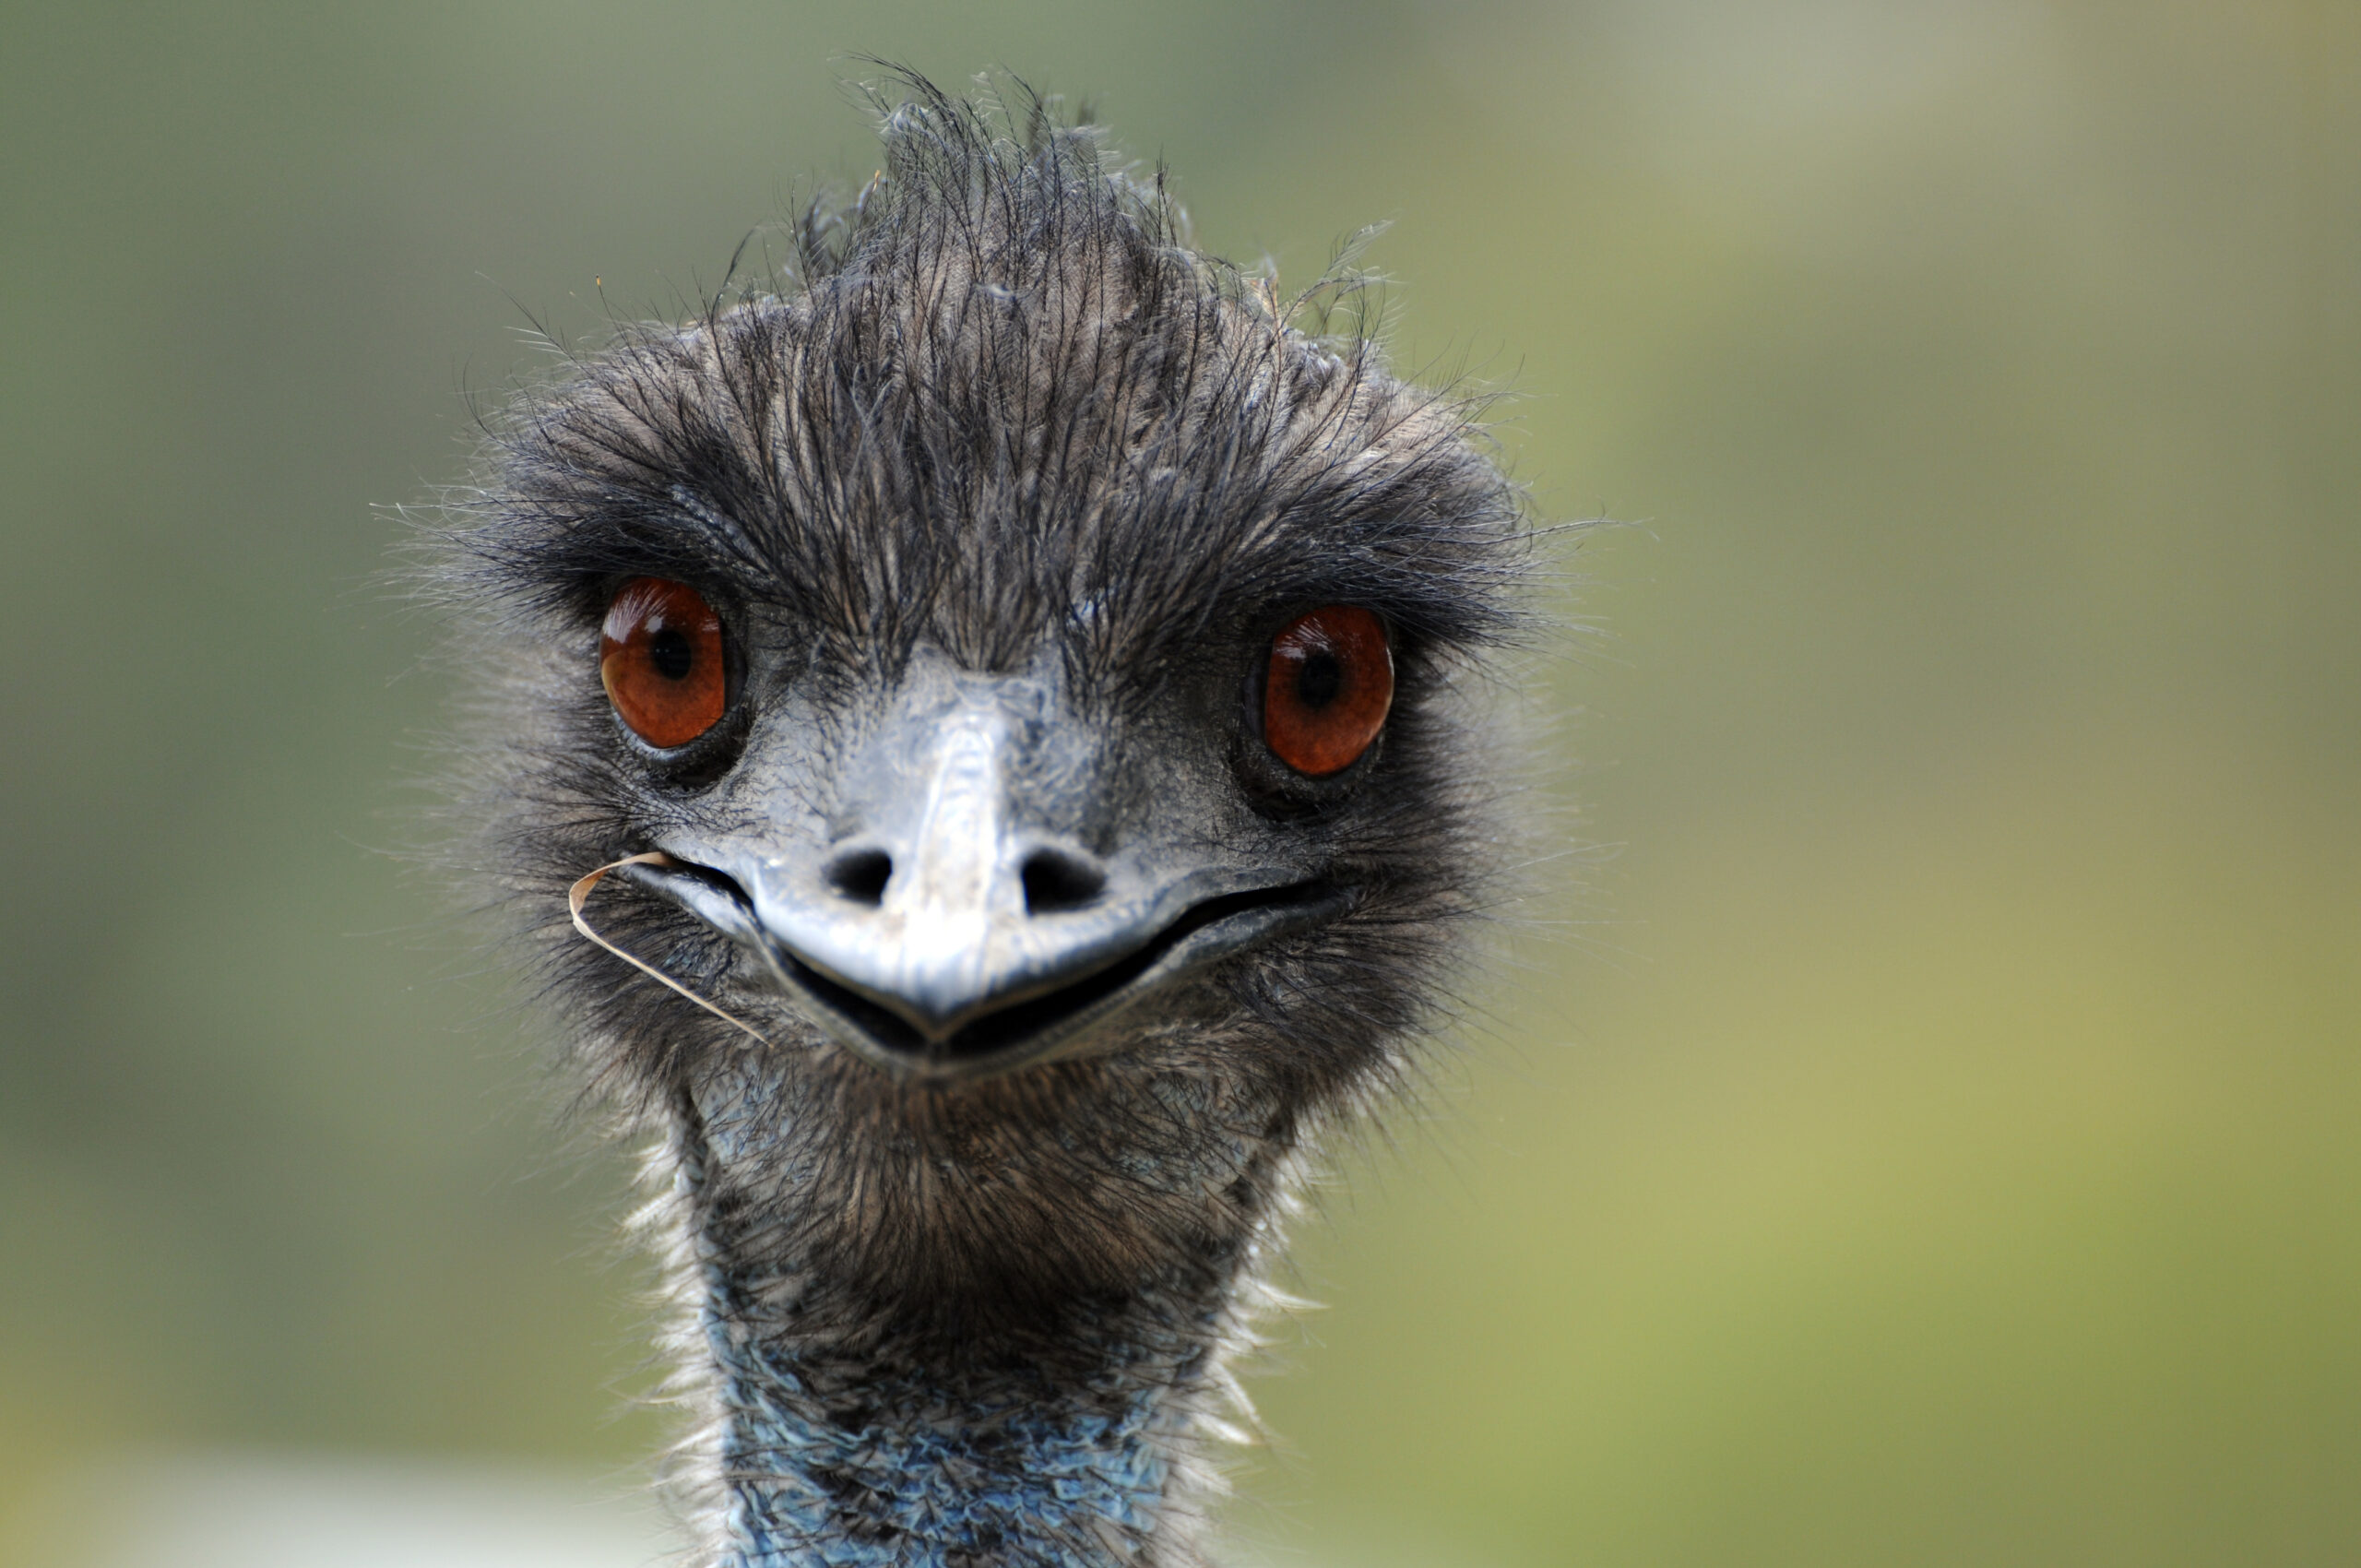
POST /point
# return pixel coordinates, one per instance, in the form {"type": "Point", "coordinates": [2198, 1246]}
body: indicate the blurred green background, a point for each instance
{"type": "Point", "coordinates": [1927, 1136]}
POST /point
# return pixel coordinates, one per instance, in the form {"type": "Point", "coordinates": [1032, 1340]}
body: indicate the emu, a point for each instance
{"type": "Point", "coordinates": [1024, 688]}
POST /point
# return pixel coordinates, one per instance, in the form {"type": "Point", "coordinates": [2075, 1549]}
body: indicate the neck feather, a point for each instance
{"type": "Point", "coordinates": [826, 1439]}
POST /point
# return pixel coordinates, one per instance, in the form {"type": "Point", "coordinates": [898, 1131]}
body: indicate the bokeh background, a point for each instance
{"type": "Point", "coordinates": [1920, 1119]}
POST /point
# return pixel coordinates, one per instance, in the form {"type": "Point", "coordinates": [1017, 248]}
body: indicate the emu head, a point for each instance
{"type": "Point", "coordinates": [1037, 669]}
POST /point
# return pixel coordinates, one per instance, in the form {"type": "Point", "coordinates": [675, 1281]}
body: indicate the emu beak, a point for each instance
{"type": "Point", "coordinates": [959, 933]}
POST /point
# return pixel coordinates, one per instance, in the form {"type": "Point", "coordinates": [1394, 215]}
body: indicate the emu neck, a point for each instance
{"type": "Point", "coordinates": [837, 1435]}
{"type": "Point", "coordinates": [858, 1461]}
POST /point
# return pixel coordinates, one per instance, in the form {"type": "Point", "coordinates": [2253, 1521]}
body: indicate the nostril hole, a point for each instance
{"type": "Point", "coordinates": [1054, 881]}
{"type": "Point", "coordinates": [861, 874]}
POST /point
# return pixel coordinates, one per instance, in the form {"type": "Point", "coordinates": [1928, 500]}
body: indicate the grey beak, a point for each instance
{"type": "Point", "coordinates": [965, 929]}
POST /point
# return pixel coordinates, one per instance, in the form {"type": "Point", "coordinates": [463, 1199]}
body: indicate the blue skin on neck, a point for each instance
{"type": "Point", "coordinates": [928, 1479]}
{"type": "Point", "coordinates": [855, 1455]}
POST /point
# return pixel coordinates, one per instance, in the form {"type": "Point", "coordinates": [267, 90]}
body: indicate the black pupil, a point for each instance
{"type": "Point", "coordinates": [670, 653]}
{"type": "Point", "coordinates": [1319, 681]}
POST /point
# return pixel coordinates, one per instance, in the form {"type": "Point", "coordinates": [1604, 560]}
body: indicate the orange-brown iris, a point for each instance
{"type": "Point", "coordinates": [1327, 690]}
{"type": "Point", "coordinates": [660, 655]}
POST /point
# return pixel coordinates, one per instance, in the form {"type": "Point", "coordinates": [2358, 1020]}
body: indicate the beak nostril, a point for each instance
{"type": "Point", "coordinates": [860, 876]}
{"type": "Point", "coordinates": [1056, 881]}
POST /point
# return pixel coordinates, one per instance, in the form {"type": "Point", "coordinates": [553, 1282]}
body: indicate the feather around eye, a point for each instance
{"type": "Point", "coordinates": [1327, 689]}
{"type": "Point", "coordinates": [660, 659]}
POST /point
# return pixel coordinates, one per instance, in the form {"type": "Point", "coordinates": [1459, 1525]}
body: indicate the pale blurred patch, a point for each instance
{"type": "Point", "coordinates": [276, 1511]}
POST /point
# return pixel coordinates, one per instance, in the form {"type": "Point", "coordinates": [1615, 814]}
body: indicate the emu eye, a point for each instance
{"type": "Point", "coordinates": [659, 657]}
{"type": "Point", "coordinates": [1326, 692]}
